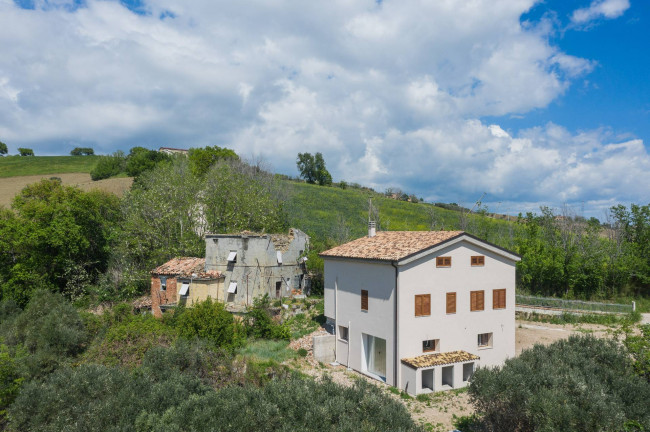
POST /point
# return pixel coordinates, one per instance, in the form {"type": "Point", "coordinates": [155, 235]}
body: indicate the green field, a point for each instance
{"type": "Point", "coordinates": [331, 212]}
{"type": "Point", "coordinates": [12, 166]}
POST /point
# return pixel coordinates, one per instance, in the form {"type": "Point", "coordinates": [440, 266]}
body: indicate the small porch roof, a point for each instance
{"type": "Point", "coordinates": [439, 359]}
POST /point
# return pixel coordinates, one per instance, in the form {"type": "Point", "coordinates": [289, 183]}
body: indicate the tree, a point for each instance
{"type": "Point", "coordinates": [312, 169]}
{"type": "Point", "coordinates": [57, 239]}
{"type": "Point", "coordinates": [201, 159]}
{"type": "Point", "coordinates": [25, 151]}
{"type": "Point", "coordinates": [3, 149]}
{"type": "Point", "coordinates": [210, 321]}
{"type": "Point", "coordinates": [109, 166]}
{"type": "Point", "coordinates": [579, 384]}
{"type": "Point", "coordinates": [82, 151]}
{"type": "Point", "coordinates": [141, 159]}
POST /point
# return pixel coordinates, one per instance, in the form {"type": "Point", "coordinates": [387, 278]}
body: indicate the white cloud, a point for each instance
{"type": "Point", "coordinates": [600, 9]}
{"type": "Point", "coordinates": [391, 93]}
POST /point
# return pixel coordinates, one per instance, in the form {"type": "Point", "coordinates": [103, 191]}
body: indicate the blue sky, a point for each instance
{"type": "Point", "coordinates": [534, 103]}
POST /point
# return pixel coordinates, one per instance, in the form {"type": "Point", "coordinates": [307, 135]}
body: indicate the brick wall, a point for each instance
{"type": "Point", "coordinates": [159, 297]}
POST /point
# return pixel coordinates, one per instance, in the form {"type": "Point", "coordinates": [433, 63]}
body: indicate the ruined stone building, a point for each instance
{"type": "Point", "coordinates": [236, 269]}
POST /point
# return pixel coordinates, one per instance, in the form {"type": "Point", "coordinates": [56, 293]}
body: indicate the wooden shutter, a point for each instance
{"type": "Point", "coordinates": [423, 305]}
{"type": "Point", "coordinates": [478, 260]}
{"type": "Point", "coordinates": [364, 300]}
{"type": "Point", "coordinates": [451, 303]}
{"type": "Point", "coordinates": [499, 299]}
{"type": "Point", "coordinates": [477, 301]}
{"type": "Point", "coordinates": [443, 261]}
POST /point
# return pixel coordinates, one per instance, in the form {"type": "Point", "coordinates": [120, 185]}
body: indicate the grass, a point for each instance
{"type": "Point", "coordinates": [569, 318]}
{"type": "Point", "coordinates": [268, 350]}
{"type": "Point", "coordinates": [11, 166]}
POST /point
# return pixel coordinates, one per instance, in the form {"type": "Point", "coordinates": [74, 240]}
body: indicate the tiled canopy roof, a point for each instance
{"type": "Point", "coordinates": [186, 267]}
{"type": "Point", "coordinates": [390, 245]}
{"type": "Point", "coordinates": [439, 359]}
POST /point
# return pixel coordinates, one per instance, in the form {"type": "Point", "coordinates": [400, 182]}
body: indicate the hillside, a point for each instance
{"type": "Point", "coordinates": [11, 166]}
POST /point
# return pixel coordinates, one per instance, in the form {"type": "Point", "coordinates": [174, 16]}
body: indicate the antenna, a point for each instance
{"type": "Point", "coordinates": [478, 201]}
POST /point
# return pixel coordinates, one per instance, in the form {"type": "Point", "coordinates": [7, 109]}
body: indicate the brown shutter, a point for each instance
{"type": "Point", "coordinates": [426, 304]}
{"type": "Point", "coordinates": [472, 301]}
{"type": "Point", "coordinates": [451, 303]}
{"type": "Point", "coordinates": [418, 305]}
{"type": "Point", "coordinates": [499, 299]}
{"type": "Point", "coordinates": [364, 300]}
{"type": "Point", "coordinates": [480, 300]}
{"type": "Point", "coordinates": [439, 261]}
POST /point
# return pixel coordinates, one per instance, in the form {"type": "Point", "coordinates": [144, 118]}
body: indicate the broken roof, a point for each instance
{"type": "Point", "coordinates": [391, 245]}
{"type": "Point", "coordinates": [439, 359]}
{"type": "Point", "coordinates": [186, 267]}
{"type": "Point", "coordinates": [281, 242]}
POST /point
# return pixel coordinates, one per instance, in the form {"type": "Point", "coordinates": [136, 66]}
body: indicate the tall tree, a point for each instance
{"type": "Point", "coordinates": [3, 149]}
{"type": "Point", "coordinates": [312, 169]}
{"type": "Point", "coordinates": [201, 159]}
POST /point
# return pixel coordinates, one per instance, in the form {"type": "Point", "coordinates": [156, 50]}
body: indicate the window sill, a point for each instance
{"type": "Point", "coordinates": [484, 348]}
{"type": "Point", "coordinates": [342, 340]}
{"type": "Point", "coordinates": [422, 316]}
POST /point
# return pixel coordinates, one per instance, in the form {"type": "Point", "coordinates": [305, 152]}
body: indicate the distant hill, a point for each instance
{"type": "Point", "coordinates": [12, 166]}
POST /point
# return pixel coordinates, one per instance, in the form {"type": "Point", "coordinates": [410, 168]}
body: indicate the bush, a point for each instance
{"type": "Point", "coordinates": [25, 151]}
{"type": "Point", "coordinates": [579, 384]}
{"type": "Point", "coordinates": [141, 159]}
{"type": "Point", "coordinates": [47, 333]}
{"type": "Point", "coordinates": [82, 151]}
{"type": "Point", "coordinates": [210, 321]}
{"type": "Point", "coordinates": [109, 166]}
{"type": "Point", "coordinates": [259, 323]}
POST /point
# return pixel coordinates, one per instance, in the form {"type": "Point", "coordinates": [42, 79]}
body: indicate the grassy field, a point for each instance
{"type": "Point", "coordinates": [11, 166]}
{"type": "Point", "coordinates": [342, 214]}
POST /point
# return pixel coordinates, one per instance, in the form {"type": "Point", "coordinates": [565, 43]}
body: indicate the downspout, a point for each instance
{"type": "Point", "coordinates": [395, 328]}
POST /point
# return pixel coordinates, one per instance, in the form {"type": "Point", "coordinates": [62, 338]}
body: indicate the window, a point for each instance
{"type": "Point", "coordinates": [343, 333]}
{"type": "Point", "coordinates": [232, 257]}
{"type": "Point", "coordinates": [468, 371]}
{"type": "Point", "coordinates": [163, 283]}
{"type": "Point", "coordinates": [278, 254]}
{"type": "Point", "coordinates": [184, 289]}
{"type": "Point", "coordinates": [478, 260]}
{"type": "Point", "coordinates": [451, 303]}
{"type": "Point", "coordinates": [432, 345]}
{"type": "Point", "coordinates": [232, 288]}
{"type": "Point", "coordinates": [485, 340]}
{"type": "Point", "coordinates": [499, 299]}
{"type": "Point", "coordinates": [476, 301]}
{"type": "Point", "coordinates": [423, 305]}
{"type": "Point", "coordinates": [443, 261]}
{"type": "Point", "coordinates": [364, 300]}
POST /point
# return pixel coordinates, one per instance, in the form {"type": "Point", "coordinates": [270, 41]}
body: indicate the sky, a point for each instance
{"type": "Point", "coordinates": [528, 102]}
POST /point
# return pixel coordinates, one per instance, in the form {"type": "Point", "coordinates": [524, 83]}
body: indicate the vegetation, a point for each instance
{"type": "Point", "coordinates": [141, 159]}
{"type": "Point", "coordinates": [82, 151]}
{"type": "Point", "coordinates": [579, 384]}
{"type": "Point", "coordinates": [25, 151]}
{"type": "Point", "coordinates": [3, 149]}
{"type": "Point", "coordinates": [201, 159]}
{"type": "Point", "coordinates": [56, 238]}
{"type": "Point", "coordinates": [587, 318]}
{"type": "Point", "coordinates": [260, 324]}
{"type": "Point", "coordinates": [638, 345]}
{"type": "Point", "coordinates": [312, 169]}
{"type": "Point", "coordinates": [208, 320]}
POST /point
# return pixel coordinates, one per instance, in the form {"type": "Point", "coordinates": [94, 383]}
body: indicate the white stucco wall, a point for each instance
{"type": "Point", "coordinates": [344, 280]}
{"type": "Point", "coordinates": [458, 331]}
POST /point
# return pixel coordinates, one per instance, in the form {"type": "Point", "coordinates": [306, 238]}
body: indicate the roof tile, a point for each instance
{"type": "Point", "coordinates": [390, 245]}
{"type": "Point", "coordinates": [186, 266]}
{"type": "Point", "coordinates": [439, 359]}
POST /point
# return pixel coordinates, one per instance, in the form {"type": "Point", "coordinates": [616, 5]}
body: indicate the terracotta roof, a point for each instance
{"type": "Point", "coordinates": [390, 245]}
{"type": "Point", "coordinates": [439, 359]}
{"type": "Point", "coordinates": [182, 266]}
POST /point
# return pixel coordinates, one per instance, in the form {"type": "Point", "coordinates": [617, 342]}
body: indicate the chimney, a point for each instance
{"type": "Point", "coordinates": [372, 229]}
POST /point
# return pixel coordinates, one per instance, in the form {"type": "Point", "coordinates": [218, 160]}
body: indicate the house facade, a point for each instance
{"type": "Point", "coordinates": [257, 264]}
{"type": "Point", "coordinates": [236, 269]}
{"type": "Point", "coordinates": [183, 280]}
{"type": "Point", "coordinates": [421, 310]}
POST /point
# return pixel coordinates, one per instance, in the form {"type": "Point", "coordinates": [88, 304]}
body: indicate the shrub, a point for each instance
{"type": "Point", "coordinates": [49, 331]}
{"type": "Point", "coordinates": [109, 166]}
{"type": "Point", "coordinates": [210, 320]}
{"type": "Point", "coordinates": [302, 352]}
{"type": "Point", "coordinates": [259, 323]}
{"type": "Point", "coordinates": [579, 384]}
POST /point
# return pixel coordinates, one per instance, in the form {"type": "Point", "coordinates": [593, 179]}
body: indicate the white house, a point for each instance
{"type": "Point", "coordinates": [421, 310]}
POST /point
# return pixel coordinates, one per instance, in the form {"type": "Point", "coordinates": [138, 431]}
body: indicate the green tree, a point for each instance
{"type": "Point", "coordinates": [25, 151]}
{"type": "Point", "coordinates": [210, 321]}
{"type": "Point", "coordinates": [312, 169]}
{"type": "Point", "coordinates": [3, 149]}
{"type": "Point", "coordinates": [109, 166]}
{"type": "Point", "coordinates": [10, 381]}
{"type": "Point", "coordinates": [141, 159]}
{"type": "Point", "coordinates": [82, 151]}
{"type": "Point", "coordinates": [57, 239]}
{"type": "Point", "coordinates": [201, 159]}
{"type": "Point", "coordinates": [579, 384]}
